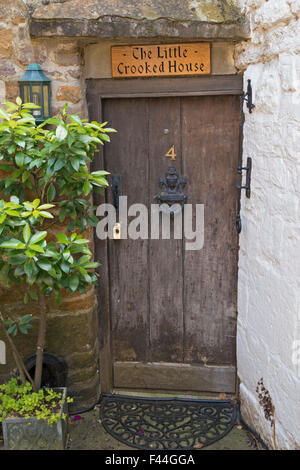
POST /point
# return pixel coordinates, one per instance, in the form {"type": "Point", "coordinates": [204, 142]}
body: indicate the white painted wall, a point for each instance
{"type": "Point", "coordinates": [269, 265]}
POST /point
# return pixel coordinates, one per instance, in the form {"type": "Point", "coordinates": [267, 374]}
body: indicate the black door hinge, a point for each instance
{"type": "Point", "coordinates": [248, 170]}
{"type": "Point", "coordinates": [248, 97]}
{"type": "Point", "coordinates": [247, 188]}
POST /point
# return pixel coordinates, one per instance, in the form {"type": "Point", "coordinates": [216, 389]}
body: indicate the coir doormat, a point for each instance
{"type": "Point", "coordinates": [166, 424]}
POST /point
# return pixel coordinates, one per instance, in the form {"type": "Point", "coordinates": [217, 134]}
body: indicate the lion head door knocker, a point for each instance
{"type": "Point", "coordinates": [171, 199]}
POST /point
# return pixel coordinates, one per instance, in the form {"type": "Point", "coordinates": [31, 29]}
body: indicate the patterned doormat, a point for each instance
{"type": "Point", "coordinates": [166, 424]}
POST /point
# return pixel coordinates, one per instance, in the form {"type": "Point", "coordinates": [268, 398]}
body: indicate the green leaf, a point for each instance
{"type": "Point", "coordinates": [4, 115]}
{"type": "Point", "coordinates": [61, 132]}
{"type": "Point", "coordinates": [47, 215]}
{"type": "Point", "coordinates": [46, 206]}
{"type": "Point", "coordinates": [81, 241]}
{"type": "Point", "coordinates": [12, 213]}
{"type": "Point", "coordinates": [59, 165]}
{"type": "Point", "coordinates": [100, 173]}
{"type": "Point", "coordinates": [109, 129]}
{"type": "Point", "coordinates": [37, 248]}
{"type": "Point", "coordinates": [105, 137]}
{"type": "Point", "coordinates": [73, 282]}
{"type": "Point", "coordinates": [35, 203]}
{"type": "Point", "coordinates": [24, 329]}
{"type": "Point", "coordinates": [21, 143]}
{"type": "Point", "coordinates": [30, 254]}
{"type": "Point", "coordinates": [45, 265]}
{"type": "Point", "coordinates": [11, 106]}
{"type": "Point", "coordinates": [19, 158]}
{"type": "Point", "coordinates": [62, 238]}
{"type": "Point", "coordinates": [17, 259]}
{"type": "Point", "coordinates": [19, 101]}
{"type": "Point", "coordinates": [2, 218]}
{"type": "Point", "coordinates": [30, 270]}
{"type": "Point", "coordinates": [75, 162]}
{"type": "Point", "coordinates": [13, 243]}
{"type": "Point", "coordinates": [12, 330]}
{"type": "Point", "coordinates": [26, 233]}
{"type": "Point", "coordinates": [14, 199]}
{"type": "Point", "coordinates": [37, 237]}
{"type": "Point", "coordinates": [26, 298]}
{"type": "Point", "coordinates": [62, 214]}
{"type": "Point", "coordinates": [76, 119]}
{"type": "Point", "coordinates": [54, 121]}
{"type": "Point", "coordinates": [25, 176]}
{"type": "Point", "coordinates": [31, 106]}
{"type": "Point", "coordinates": [91, 265]}
{"type": "Point", "coordinates": [87, 188]}
{"type": "Point", "coordinates": [99, 180]}
{"type": "Point", "coordinates": [51, 192]}
{"type": "Point", "coordinates": [65, 267]}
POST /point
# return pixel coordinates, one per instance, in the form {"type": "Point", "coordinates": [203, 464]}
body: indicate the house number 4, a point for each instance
{"type": "Point", "coordinates": [171, 153]}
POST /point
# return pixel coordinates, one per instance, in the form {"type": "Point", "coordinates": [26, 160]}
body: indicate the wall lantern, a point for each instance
{"type": "Point", "coordinates": [35, 88]}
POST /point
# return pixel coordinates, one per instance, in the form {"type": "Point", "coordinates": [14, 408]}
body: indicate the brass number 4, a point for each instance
{"type": "Point", "coordinates": [171, 153]}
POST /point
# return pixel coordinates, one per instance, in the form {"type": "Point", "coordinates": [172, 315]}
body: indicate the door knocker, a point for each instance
{"type": "Point", "coordinates": [171, 198]}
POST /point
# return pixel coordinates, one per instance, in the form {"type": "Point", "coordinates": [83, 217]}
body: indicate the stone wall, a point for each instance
{"type": "Point", "coordinates": [73, 327]}
{"type": "Point", "coordinates": [269, 303]}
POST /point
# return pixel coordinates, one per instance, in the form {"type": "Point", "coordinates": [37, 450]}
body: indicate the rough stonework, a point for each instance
{"type": "Point", "coordinates": [132, 18]}
{"type": "Point", "coordinates": [269, 265]}
{"type": "Point", "coordinates": [72, 328]}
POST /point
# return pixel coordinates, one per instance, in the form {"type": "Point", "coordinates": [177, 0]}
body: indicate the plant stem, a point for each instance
{"type": "Point", "coordinates": [22, 375]}
{"type": "Point", "coordinates": [40, 344]}
{"type": "Point", "coordinates": [18, 359]}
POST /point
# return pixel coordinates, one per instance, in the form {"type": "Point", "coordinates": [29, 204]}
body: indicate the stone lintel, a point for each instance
{"type": "Point", "coordinates": [113, 27]}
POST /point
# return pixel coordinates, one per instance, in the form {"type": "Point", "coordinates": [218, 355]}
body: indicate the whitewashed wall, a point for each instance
{"type": "Point", "coordinates": [269, 265]}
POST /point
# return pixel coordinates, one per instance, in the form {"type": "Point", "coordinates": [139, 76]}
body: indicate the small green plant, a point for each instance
{"type": "Point", "coordinates": [20, 401]}
{"type": "Point", "coordinates": [53, 164]}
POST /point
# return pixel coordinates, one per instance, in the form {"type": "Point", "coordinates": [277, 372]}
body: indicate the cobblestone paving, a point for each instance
{"type": "Point", "coordinates": [87, 433]}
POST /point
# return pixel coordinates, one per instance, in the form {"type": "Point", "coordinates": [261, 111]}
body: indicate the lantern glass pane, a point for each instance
{"type": "Point", "coordinates": [37, 99]}
{"type": "Point", "coordinates": [26, 94]}
{"type": "Point", "coordinates": [46, 104]}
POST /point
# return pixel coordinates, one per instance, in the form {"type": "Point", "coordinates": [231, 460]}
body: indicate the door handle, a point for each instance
{"type": "Point", "coordinates": [116, 190]}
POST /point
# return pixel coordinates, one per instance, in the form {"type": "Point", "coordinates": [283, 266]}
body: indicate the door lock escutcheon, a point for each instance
{"type": "Point", "coordinates": [116, 190]}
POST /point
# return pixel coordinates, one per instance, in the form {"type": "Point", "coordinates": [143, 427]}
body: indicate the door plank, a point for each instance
{"type": "Point", "coordinates": [210, 129]}
{"type": "Point", "coordinates": [127, 155]}
{"type": "Point", "coordinates": [165, 260]}
{"type": "Point", "coordinates": [175, 377]}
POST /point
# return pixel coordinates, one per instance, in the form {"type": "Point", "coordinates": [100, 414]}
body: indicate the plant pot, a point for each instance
{"type": "Point", "coordinates": [37, 434]}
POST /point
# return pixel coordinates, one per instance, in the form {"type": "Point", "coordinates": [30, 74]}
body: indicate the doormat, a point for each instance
{"type": "Point", "coordinates": [166, 424]}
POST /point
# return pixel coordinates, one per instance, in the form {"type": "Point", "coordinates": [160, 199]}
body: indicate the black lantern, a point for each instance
{"type": "Point", "coordinates": [35, 88]}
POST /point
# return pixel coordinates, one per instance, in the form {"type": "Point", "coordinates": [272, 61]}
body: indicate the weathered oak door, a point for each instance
{"type": "Point", "coordinates": [172, 312]}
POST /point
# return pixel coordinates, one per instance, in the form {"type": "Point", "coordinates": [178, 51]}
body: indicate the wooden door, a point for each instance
{"type": "Point", "coordinates": [172, 312]}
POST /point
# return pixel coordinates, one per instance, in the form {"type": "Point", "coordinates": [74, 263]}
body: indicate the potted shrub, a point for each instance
{"type": "Point", "coordinates": [52, 164]}
{"type": "Point", "coordinates": [33, 420]}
